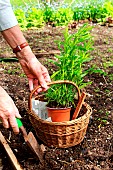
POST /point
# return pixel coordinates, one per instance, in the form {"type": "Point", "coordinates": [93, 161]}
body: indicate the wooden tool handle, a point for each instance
{"type": "Point", "coordinates": [10, 153]}
{"type": "Point", "coordinates": [79, 105]}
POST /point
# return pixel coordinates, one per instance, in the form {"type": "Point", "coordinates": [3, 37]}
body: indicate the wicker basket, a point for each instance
{"type": "Point", "coordinates": [60, 134]}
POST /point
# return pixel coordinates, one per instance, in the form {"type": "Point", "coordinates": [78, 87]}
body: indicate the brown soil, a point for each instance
{"type": "Point", "coordinates": [95, 152]}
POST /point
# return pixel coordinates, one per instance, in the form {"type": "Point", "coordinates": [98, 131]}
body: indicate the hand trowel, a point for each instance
{"type": "Point", "coordinates": [31, 141]}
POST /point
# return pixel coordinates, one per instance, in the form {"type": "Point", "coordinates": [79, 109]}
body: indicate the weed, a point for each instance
{"type": "Point", "coordinates": [22, 75]}
{"type": "Point", "coordinates": [107, 91]}
{"type": "Point", "coordinates": [110, 77]}
{"type": "Point", "coordinates": [97, 90]}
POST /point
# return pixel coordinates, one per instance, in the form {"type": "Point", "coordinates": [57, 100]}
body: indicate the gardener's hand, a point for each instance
{"type": "Point", "coordinates": [8, 111]}
{"type": "Point", "coordinates": [37, 74]}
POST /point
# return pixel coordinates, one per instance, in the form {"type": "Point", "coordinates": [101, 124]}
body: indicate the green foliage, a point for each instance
{"type": "Point", "coordinates": [75, 52]}
{"type": "Point", "coordinates": [80, 14]}
{"type": "Point", "coordinates": [20, 15]}
{"type": "Point", "coordinates": [34, 14]}
{"type": "Point", "coordinates": [31, 18]}
{"type": "Point", "coordinates": [109, 8]}
{"type": "Point", "coordinates": [12, 71]}
{"type": "Point", "coordinates": [104, 119]}
{"type": "Point", "coordinates": [95, 69]}
{"type": "Point", "coordinates": [94, 12]}
{"type": "Point", "coordinates": [97, 12]}
{"type": "Point", "coordinates": [35, 18]}
{"type": "Point", "coordinates": [48, 14]}
{"type": "Point", "coordinates": [60, 95]}
{"type": "Point", "coordinates": [63, 16]}
{"type": "Point", "coordinates": [111, 77]}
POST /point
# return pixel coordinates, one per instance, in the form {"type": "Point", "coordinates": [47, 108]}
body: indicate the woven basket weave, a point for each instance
{"type": "Point", "coordinates": [60, 134]}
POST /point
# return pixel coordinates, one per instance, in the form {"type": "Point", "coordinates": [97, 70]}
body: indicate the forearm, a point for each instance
{"type": "Point", "coordinates": [11, 31]}
{"type": "Point", "coordinates": [15, 37]}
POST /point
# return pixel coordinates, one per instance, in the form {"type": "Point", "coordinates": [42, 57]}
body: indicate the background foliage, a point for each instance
{"type": "Point", "coordinates": [36, 13]}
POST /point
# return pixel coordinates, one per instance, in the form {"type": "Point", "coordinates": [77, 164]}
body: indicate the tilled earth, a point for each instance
{"type": "Point", "coordinates": [95, 152]}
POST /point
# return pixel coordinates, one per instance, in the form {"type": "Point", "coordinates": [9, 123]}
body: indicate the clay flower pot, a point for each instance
{"type": "Point", "coordinates": [59, 114]}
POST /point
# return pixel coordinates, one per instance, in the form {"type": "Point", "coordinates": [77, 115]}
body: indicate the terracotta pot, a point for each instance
{"type": "Point", "coordinates": [59, 114]}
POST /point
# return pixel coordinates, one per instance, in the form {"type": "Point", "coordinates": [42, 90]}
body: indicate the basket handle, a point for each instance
{"type": "Point", "coordinates": [51, 83]}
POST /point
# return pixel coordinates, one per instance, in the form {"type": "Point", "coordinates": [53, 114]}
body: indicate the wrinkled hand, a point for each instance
{"type": "Point", "coordinates": [8, 111]}
{"type": "Point", "coordinates": [36, 73]}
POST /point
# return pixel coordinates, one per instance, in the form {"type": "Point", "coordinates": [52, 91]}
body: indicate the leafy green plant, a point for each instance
{"type": "Point", "coordinates": [110, 77]}
{"type": "Point", "coordinates": [75, 52]}
{"type": "Point", "coordinates": [109, 8]}
{"type": "Point", "coordinates": [96, 70]}
{"type": "Point", "coordinates": [104, 119]}
{"type": "Point", "coordinates": [97, 13]}
{"type": "Point", "coordinates": [63, 16]}
{"type": "Point", "coordinates": [80, 13]}
{"type": "Point", "coordinates": [48, 13]}
{"type": "Point", "coordinates": [20, 15]}
{"type": "Point", "coordinates": [12, 71]}
{"type": "Point", "coordinates": [35, 18]}
{"type": "Point", "coordinates": [92, 11]}
{"type": "Point", "coordinates": [33, 14]}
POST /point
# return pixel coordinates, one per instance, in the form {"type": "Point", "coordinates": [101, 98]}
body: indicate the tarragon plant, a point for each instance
{"type": "Point", "coordinates": [75, 52]}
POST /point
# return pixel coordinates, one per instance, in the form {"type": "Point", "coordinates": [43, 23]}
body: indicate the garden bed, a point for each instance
{"type": "Point", "coordinates": [96, 150]}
